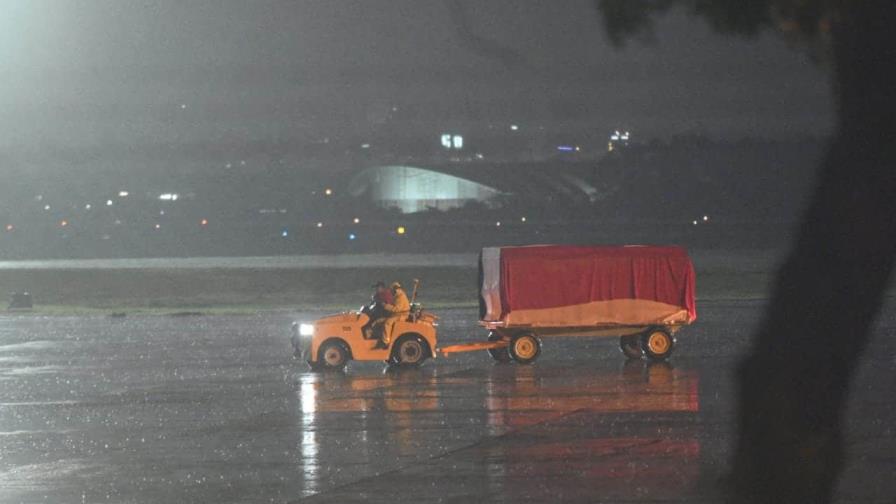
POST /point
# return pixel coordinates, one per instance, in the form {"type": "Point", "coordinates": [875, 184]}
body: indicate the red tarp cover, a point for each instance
{"type": "Point", "coordinates": [597, 279]}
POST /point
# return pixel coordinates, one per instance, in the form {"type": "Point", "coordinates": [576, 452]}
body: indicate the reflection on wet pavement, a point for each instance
{"type": "Point", "coordinates": [515, 432]}
{"type": "Point", "coordinates": [213, 409]}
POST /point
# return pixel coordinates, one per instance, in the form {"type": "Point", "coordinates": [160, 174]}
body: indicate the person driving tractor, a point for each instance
{"type": "Point", "coordinates": [397, 309]}
{"type": "Point", "coordinates": [376, 311]}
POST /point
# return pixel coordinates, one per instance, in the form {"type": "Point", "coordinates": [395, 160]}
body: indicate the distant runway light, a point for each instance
{"type": "Point", "coordinates": [320, 224]}
{"type": "Point", "coordinates": [352, 236]}
{"type": "Point", "coordinates": [400, 230]}
{"type": "Point", "coordinates": [695, 223]}
{"type": "Point", "coordinates": [10, 227]}
{"type": "Point", "coordinates": [63, 223]}
{"type": "Point", "coordinates": [356, 220]}
{"type": "Point", "coordinates": [183, 106]}
{"type": "Point", "coordinates": [498, 223]}
{"type": "Point", "coordinates": [88, 206]}
{"type": "Point", "coordinates": [705, 218]}
{"type": "Point", "coordinates": [46, 207]}
{"type": "Point", "coordinates": [123, 194]}
{"type": "Point", "coordinates": [284, 233]}
{"type": "Point", "coordinates": [514, 127]}
{"type": "Point", "coordinates": [108, 202]}
{"type": "Point", "coordinates": [522, 219]}
{"type": "Point", "coordinates": [203, 222]}
{"type": "Point", "coordinates": [328, 191]}
{"type": "Point", "coordinates": [158, 226]}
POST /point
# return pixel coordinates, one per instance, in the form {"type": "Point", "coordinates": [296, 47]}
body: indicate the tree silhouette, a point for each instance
{"type": "Point", "coordinates": [793, 385]}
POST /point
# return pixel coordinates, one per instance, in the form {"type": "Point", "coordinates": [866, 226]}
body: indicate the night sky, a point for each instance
{"type": "Point", "coordinates": [112, 73]}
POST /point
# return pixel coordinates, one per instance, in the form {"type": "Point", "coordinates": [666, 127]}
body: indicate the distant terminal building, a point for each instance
{"type": "Point", "coordinates": [447, 186]}
{"type": "Point", "coordinates": [413, 189]}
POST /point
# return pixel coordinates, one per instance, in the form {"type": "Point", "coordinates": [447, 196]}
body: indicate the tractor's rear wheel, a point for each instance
{"type": "Point", "coordinates": [410, 350]}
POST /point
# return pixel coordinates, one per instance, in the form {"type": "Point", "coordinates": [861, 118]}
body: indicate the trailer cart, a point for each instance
{"type": "Point", "coordinates": [641, 294]}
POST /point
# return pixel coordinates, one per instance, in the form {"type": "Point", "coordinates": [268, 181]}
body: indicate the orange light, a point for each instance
{"type": "Point", "coordinates": [63, 223]}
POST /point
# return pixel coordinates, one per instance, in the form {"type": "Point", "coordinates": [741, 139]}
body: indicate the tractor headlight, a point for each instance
{"type": "Point", "coordinates": [306, 329]}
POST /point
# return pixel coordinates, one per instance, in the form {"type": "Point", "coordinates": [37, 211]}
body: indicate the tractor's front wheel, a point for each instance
{"type": "Point", "coordinates": [332, 356]}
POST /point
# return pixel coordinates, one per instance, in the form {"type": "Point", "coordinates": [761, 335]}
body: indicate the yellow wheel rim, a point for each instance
{"type": "Point", "coordinates": [658, 342]}
{"type": "Point", "coordinates": [525, 347]}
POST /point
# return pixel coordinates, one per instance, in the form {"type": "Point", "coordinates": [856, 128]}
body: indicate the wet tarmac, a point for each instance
{"type": "Point", "coordinates": [214, 409]}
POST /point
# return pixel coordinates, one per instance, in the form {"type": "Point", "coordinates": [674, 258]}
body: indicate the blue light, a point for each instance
{"type": "Point", "coordinates": [352, 236]}
{"type": "Point", "coordinates": [565, 148]}
{"type": "Point", "coordinates": [284, 233]}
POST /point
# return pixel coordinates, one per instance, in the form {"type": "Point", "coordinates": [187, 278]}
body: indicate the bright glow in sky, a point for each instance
{"type": "Point", "coordinates": [167, 71]}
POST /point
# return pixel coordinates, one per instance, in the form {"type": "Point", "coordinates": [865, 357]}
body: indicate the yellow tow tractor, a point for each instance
{"type": "Point", "coordinates": [331, 342]}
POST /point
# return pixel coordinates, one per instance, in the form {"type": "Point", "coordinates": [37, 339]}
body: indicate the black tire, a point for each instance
{"type": "Point", "coordinates": [332, 356]}
{"type": "Point", "coordinates": [630, 347]}
{"type": "Point", "coordinates": [657, 344]}
{"type": "Point", "coordinates": [410, 350]}
{"type": "Point", "coordinates": [524, 348]}
{"type": "Point", "coordinates": [501, 355]}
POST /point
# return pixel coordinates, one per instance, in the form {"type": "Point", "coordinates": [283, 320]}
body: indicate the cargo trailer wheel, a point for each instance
{"type": "Point", "coordinates": [657, 344]}
{"type": "Point", "coordinates": [331, 356]}
{"type": "Point", "coordinates": [630, 346]}
{"type": "Point", "coordinates": [524, 348]}
{"type": "Point", "coordinates": [409, 351]}
{"type": "Point", "coordinates": [501, 355]}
